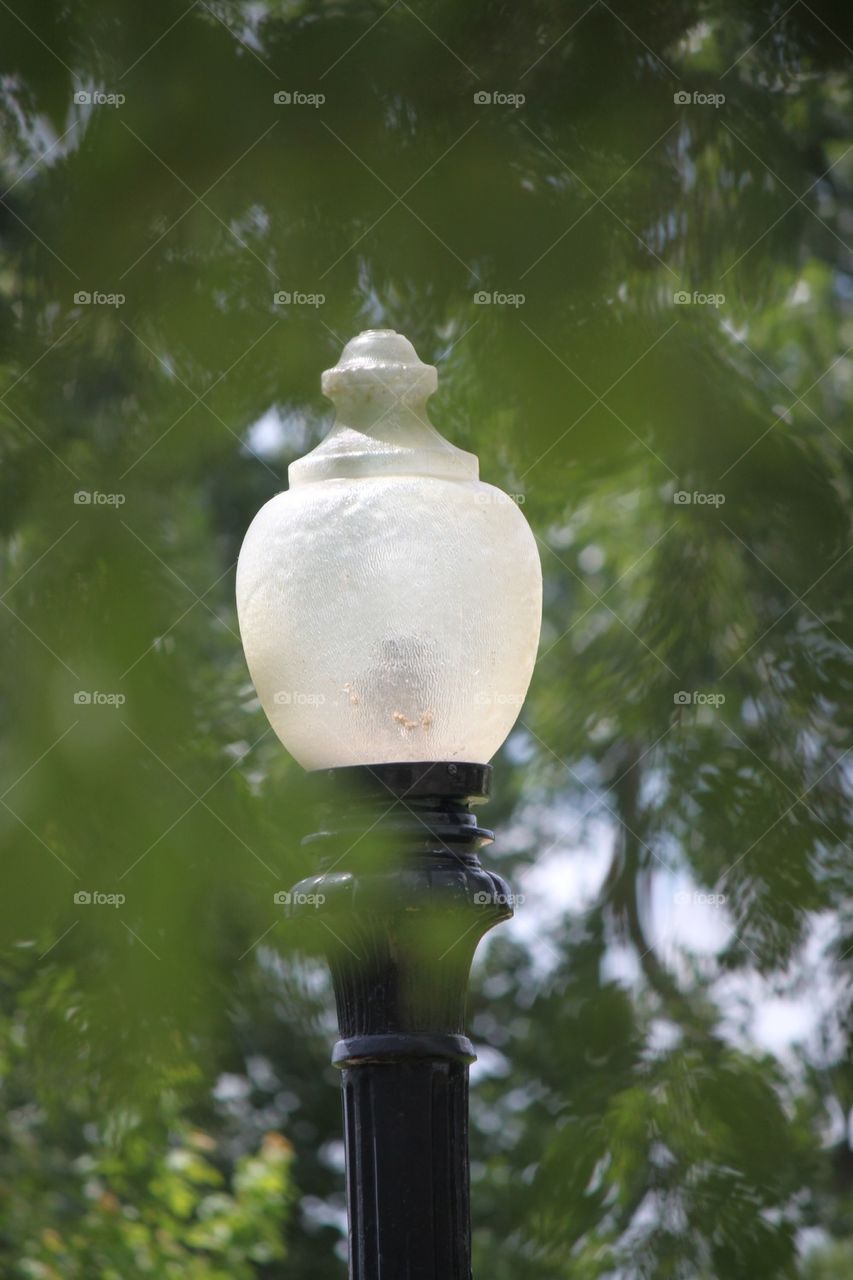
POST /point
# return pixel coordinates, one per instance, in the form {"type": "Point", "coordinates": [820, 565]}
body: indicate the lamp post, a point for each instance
{"type": "Point", "coordinates": [389, 606]}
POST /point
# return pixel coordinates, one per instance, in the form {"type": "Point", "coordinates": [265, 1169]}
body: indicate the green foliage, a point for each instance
{"type": "Point", "coordinates": [832, 1263]}
{"type": "Point", "coordinates": [626, 1119]}
{"type": "Point", "coordinates": [112, 1195]}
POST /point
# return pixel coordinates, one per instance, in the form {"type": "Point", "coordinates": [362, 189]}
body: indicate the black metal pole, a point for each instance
{"type": "Point", "coordinates": [403, 901]}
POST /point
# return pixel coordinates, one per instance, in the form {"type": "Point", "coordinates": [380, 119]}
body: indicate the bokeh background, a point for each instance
{"type": "Point", "coordinates": [622, 233]}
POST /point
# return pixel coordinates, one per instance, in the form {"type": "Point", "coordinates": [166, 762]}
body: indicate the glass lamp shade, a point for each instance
{"type": "Point", "coordinates": [389, 601]}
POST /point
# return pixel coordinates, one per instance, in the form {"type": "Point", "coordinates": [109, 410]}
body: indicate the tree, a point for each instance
{"type": "Point", "coordinates": [659, 374]}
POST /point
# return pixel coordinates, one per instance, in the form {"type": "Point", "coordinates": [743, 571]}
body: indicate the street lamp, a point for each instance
{"type": "Point", "coordinates": [389, 606]}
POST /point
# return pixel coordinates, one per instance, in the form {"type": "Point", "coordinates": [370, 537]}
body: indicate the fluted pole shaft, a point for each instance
{"type": "Point", "coordinates": [406, 1127]}
{"type": "Point", "coordinates": [403, 916]}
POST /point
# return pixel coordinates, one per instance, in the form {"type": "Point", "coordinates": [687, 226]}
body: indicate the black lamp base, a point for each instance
{"type": "Point", "coordinates": [403, 902]}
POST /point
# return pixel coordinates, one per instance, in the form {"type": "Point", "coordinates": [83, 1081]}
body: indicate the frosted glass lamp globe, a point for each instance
{"type": "Point", "coordinates": [389, 601]}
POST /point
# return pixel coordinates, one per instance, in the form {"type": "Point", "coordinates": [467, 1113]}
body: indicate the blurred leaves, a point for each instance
{"type": "Point", "coordinates": [686, 468]}
{"type": "Point", "coordinates": [91, 1190]}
